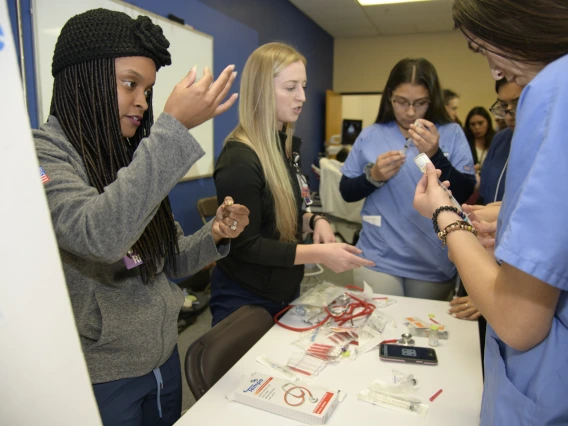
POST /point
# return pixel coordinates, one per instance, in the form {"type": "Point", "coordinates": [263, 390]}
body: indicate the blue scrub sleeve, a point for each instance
{"type": "Point", "coordinates": [532, 233]}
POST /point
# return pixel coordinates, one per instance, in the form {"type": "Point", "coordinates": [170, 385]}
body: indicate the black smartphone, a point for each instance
{"type": "Point", "coordinates": [412, 354]}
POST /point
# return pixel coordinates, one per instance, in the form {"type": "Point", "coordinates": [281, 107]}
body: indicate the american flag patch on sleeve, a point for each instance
{"type": "Point", "coordinates": [44, 177]}
{"type": "Point", "coordinates": [467, 168]}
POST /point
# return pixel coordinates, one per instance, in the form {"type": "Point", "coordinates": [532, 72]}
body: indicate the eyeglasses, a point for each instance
{"type": "Point", "coordinates": [500, 111]}
{"type": "Point", "coordinates": [402, 104]}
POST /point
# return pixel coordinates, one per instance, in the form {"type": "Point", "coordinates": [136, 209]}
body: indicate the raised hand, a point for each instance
{"type": "Point", "coordinates": [193, 103]}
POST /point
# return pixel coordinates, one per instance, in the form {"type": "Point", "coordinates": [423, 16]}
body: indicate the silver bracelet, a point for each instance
{"type": "Point", "coordinates": [369, 177]}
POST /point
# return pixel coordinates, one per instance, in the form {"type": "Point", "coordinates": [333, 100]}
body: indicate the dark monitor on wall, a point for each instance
{"type": "Point", "coordinates": [350, 130]}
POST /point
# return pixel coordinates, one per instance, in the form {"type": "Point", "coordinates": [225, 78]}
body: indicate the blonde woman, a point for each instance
{"type": "Point", "coordinates": [259, 167]}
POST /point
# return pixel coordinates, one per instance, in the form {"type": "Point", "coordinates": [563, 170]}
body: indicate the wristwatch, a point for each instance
{"type": "Point", "coordinates": [376, 183]}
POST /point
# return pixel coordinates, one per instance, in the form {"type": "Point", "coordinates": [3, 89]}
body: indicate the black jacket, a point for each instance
{"type": "Point", "coordinates": [258, 261]}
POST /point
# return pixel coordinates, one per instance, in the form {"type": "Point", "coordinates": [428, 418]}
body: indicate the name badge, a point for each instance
{"type": "Point", "coordinates": [304, 188]}
{"type": "Point", "coordinates": [302, 182]}
{"type": "Point", "coordinates": [132, 259]}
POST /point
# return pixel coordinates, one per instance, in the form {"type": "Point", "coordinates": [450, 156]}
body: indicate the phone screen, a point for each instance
{"type": "Point", "coordinates": [408, 354]}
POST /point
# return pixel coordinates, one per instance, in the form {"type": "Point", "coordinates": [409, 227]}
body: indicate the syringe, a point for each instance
{"type": "Point", "coordinates": [421, 160]}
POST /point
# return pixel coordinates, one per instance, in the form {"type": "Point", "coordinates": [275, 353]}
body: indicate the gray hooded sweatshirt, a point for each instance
{"type": "Point", "coordinates": [127, 328]}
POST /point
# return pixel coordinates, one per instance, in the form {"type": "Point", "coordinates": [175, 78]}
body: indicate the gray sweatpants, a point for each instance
{"type": "Point", "coordinates": [398, 286]}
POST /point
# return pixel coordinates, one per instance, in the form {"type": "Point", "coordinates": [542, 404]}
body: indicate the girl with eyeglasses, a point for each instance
{"type": "Point", "coordinates": [409, 260]}
{"type": "Point", "coordinates": [493, 172]}
{"type": "Point", "coordinates": [524, 295]}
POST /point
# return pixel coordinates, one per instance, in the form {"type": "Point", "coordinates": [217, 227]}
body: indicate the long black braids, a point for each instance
{"type": "Point", "coordinates": [86, 105]}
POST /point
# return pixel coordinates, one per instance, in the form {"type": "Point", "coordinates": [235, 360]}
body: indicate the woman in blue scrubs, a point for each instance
{"type": "Point", "coordinates": [409, 261]}
{"type": "Point", "coordinates": [525, 298]}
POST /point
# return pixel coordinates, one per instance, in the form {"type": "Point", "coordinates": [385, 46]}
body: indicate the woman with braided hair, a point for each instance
{"type": "Point", "coordinates": [110, 168]}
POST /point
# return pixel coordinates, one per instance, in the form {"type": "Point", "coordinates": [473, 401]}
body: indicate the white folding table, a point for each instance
{"type": "Point", "coordinates": [458, 374]}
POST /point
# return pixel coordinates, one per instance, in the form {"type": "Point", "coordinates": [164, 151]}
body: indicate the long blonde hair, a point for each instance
{"type": "Point", "coordinates": [258, 128]}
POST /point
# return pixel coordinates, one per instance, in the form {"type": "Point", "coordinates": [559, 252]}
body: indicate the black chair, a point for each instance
{"type": "Point", "coordinates": [201, 281]}
{"type": "Point", "coordinates": [214, 353]}
{"type": "Point", "coordinates": [207, 208]}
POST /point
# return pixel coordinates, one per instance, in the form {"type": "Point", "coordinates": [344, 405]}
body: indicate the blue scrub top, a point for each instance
{"type": "Point", "coordinates": [531, 387]}
{"type": "Point", "coordinates": [493, 171]}
{"type": "Point", "coordinates": [404, 244]}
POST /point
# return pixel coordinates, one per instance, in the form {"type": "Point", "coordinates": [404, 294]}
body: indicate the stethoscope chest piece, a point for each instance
{"type": "Point", "coordinates": [406, 340]}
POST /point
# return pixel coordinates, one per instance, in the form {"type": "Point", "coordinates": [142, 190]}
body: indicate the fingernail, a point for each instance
{"type": "Point", "coordinates": [429, 166]}
{"type": "Point", "coordinates": [235, 73]}
{"type": "Point", "coordinates": [454, 315]}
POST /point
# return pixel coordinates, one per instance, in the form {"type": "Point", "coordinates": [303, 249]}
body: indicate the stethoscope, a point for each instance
{"type": "Point", "coordinates": [301, 396]}
{"type": "Point", "coordinates": [501, 177]}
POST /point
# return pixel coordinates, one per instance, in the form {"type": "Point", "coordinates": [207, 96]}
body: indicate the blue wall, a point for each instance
{"type": "Point", "coordinates": [238, 27]}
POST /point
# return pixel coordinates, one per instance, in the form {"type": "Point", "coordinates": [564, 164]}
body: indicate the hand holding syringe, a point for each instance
{"type": "Point", "coordinates": [421, 160]}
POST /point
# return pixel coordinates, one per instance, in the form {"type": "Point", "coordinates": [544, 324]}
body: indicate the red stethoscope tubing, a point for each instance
{"type": "Point", "coordinates": [341, 319]}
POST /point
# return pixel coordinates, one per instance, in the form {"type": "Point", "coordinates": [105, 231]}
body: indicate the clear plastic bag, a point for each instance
{"type": "Point", "coordinates": [383, 303]}
{"type": "Point", "coordinates": [329, 344]}
{"type": "Point", "coordinates": [304, 364]}
{"type": "Point", "coordinates": [320, 296]}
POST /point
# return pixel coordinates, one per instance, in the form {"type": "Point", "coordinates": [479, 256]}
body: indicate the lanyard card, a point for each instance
{"type": "Point", "coordinates": [132, 259]}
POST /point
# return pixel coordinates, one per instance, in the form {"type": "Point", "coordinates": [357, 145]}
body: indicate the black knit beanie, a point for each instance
{"type": "Point", "coordinates": [102, 33]}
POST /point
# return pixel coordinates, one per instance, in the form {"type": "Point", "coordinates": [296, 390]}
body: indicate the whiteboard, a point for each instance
{"type": "Point", "coordinates": [188, 47]}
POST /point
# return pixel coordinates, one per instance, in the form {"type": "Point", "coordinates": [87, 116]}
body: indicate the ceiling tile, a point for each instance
{"type": "Point", "coordinates": [312, 4]}
{"type": "Point", "coordinates": [353, 32]}
{"type": "Point", "coordinates": [346, 18]}
{"type": "Point", "coordinates": [352, 12]}
{"type": "Point", "coordinates": [418, 8]}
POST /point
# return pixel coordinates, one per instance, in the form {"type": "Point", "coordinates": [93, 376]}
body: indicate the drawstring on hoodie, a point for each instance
{"type": "Point", "coordinates": [160, 386]}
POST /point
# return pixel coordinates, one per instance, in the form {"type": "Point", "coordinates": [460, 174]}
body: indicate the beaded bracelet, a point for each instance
{"type": "Point", "coordinates": [460, 224]}
{"type": "Point", "coordinates": [447, 209]}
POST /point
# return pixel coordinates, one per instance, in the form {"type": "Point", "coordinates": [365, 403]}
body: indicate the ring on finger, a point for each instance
{"type": "Point", "coordinates": [234, 225]}
{"type": "Point", "coordinates": [466, 305]}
